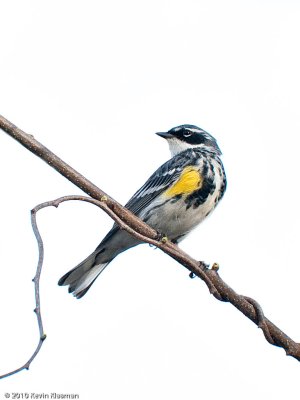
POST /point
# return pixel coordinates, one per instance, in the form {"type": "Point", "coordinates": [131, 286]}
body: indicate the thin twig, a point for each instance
{"type": "Point", "coordinates": [249, 307]}
{"type": "Point", "coordinates": [261, 319]}
{"type": "Point", "coordinates": [55, 203]}
{"type": "Point", "coordinates": [36, 281]}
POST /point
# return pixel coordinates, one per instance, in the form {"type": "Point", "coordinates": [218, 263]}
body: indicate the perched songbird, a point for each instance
{"type": "Point", "coordinates": [174, 200]}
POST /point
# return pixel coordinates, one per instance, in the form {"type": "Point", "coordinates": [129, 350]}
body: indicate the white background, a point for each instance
{"type": "Point", "coordinates": [93, 81]}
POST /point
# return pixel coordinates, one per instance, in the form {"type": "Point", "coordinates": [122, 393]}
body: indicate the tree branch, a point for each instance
{"type": "Point", "coordinates": [220, 290]}
{"type": "Point", "coordinates": [36, 281]}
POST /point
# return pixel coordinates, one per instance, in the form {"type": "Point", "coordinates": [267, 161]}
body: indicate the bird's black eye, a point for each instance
{"type": "Point", "coordinates": [187, 134]}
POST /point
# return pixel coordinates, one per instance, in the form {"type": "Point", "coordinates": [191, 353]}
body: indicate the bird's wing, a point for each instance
{"type": "Point", "coordinates": [158, 182]}
{"type": "Point", "coordinates": [163, 178]}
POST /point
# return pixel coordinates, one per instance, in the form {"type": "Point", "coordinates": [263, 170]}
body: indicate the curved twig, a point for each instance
{"type": "Point", "coordinates": [261, 319]}
{"type": "Point", "coordinates": [36, 281]}
{"type": "Point", "coordinates": [101, 204]}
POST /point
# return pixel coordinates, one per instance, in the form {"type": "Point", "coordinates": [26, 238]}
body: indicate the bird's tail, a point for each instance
{"type": "Point", "coordinates": [81, 278]}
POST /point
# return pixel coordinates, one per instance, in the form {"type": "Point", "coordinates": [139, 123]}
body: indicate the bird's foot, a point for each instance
{"type": "Point", "coordinates": [161, 237]}
{"type": "Point", "coordinates": [203, 265]}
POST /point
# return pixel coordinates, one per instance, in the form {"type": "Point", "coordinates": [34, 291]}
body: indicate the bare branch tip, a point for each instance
{"type": "Point", "coordinates": [56, 203]}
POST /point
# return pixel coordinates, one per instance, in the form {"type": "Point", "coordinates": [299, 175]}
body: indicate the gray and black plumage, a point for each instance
{"type": "Point", "coordinates": [174, 200]}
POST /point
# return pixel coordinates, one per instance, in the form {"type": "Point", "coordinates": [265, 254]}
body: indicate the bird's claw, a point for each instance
{"type": "Point", "coordinates": [161, 237]}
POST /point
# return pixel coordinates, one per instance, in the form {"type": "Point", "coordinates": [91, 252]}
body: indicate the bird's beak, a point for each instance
{"type": "Point", "coordinates": [165, 135]}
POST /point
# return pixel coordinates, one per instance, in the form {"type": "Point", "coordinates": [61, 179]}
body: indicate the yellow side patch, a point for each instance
{"type": "Point", "coordinates": [189, 180]}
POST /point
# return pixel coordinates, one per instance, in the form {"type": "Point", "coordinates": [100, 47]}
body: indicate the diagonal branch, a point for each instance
{"type": "Point", "coordinates": [220, 290]}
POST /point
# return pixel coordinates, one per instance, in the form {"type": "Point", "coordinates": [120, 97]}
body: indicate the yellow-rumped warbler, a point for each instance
{"type": "Point", "coordinates": [174, 200]}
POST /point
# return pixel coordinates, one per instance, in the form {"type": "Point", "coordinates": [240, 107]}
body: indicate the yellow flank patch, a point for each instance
{"type": "Point", "coordinates": [189, 180]}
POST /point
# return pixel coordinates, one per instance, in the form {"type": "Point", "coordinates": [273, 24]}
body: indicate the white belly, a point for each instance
{"type": "Point", "coordinates": [175, 220]}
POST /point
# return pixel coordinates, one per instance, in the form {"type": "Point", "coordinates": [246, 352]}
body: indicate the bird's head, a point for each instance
{"type": "Point", "coordinates": [186, 136]}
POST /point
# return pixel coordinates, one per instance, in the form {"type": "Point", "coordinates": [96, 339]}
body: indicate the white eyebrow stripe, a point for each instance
{"type": "Point", "coordinates": [196, 130]}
